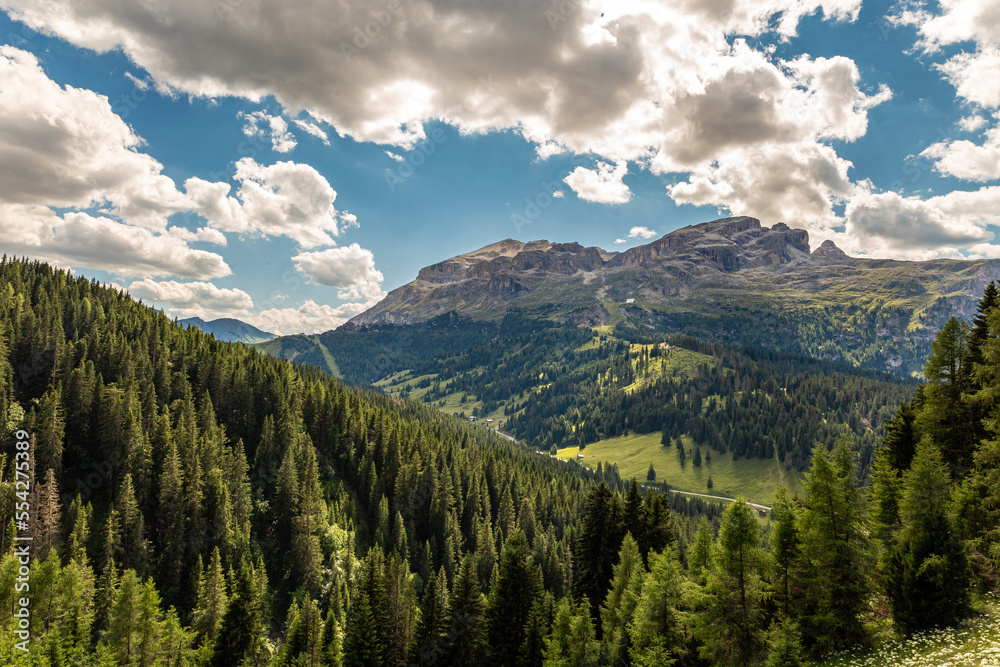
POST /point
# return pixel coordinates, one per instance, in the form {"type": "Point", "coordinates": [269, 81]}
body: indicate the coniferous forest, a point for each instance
{"type": "Point", "coordinates": [193, 502]}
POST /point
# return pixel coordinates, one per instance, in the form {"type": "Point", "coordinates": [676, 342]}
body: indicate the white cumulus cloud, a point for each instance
{"type": "Point", "coordinates": [641, 233]}
{"type": "Point", "coordinates": [308, 318]}
{"type": "Point", "coordinates": [284, 199]}
{"type": "Point", "coordinates": [603, 184]}
{"type": "Point", "coordinates": [99, 242]}
{"type": "Point", "coordinates": [350, 269]}
{"type": "Point", "coordinates": [194, 299]}
{"type": "Point", "coordinates": [313, 129]}
{"type": "Point", "coordinates": [967, 160]}
{"type": "Point", "coordinates": [890, 225]}
{"type": "Point", "coordinates": [640, 81]}
{"type": "Point", "coordinates": [64, 147]}
{"type": "Point", "coordinates": [260, 124]}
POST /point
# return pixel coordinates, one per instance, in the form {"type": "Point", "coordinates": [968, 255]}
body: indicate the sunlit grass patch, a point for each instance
{"type": "Point", "coordinates": [975, 643]}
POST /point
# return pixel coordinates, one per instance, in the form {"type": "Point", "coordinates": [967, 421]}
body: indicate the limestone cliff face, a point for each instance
{"type": "Point", "coordinates": [704, 269]}
{"type": "Point", "coordinates": [487, 280]}
{"type": "Point", "coordinates": [828, 249]}
{"type": "Point", "coordinates": [728, 245]}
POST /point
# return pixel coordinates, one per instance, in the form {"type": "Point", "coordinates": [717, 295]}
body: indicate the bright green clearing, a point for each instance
{"type": "Point", "coordinates": [672, 362]}
{"type": "Point", "coordinates": [754, 480]}
{"type": "Point", "coordinates": [975, 643]}
{"type": "Point", "coordinates": [451, 404]}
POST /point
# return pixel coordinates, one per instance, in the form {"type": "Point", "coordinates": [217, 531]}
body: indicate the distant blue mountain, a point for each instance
{"type": "Point", "coordinates": [230, 330]}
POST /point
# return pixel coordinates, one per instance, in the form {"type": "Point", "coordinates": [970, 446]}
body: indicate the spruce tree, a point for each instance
{"type": "Point", "coordinates": [466, 636]}
{"type": "Point", "coordinates": [121, 637]}
{"type": "Point", "coordinates": [836, 553]}
{"type": "Point", "coordinates": [980, 331]}
{"type": "Point", "coordinates": [362, 647]}
{"type": "Point", "coordinates": [900, 441]}
{"type": "Point", "coordinates": [516, 586]}
{"type": "Point", "coordinates": [49, 432]}
{"type": "Point", "coordinates": [571, 640]}
{"type": "Point", "coordinates": [944, 415]}
{"type": "Point", "coordinates": [784, 648]}
{"type": "Point", "coordinates": [212, 600]}
{"type": "Point", "coordinates": [242, 632]}
{"type": "Point", "coordinates": [621, 600]}
{"type": "Point", "coordinates": [700, 554]}
{"type": "Point", "coordinates": [927, 573]}
{"type": "Point", "coordinates": [785, 549]}
{"type": "Point", "coordinates": [431, 628]}
{"type": "Point", "coordinates": [598, 544]}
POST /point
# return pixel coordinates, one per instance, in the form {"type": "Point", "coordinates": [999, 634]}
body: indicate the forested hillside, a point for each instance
{"type": "Point", "coordinates": [565, 386]}
{"type": "Point", "coordinates": [200, 503]}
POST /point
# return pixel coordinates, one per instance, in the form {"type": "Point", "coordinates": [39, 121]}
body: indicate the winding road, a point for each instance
{"type": "Point", "coordinates": [705, 495]}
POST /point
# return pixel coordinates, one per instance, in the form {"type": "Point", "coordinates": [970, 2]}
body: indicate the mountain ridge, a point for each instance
{"type": "Point", "coordinates": [730, 280]}
{"type": "Point", "coordinates": [230, 330]}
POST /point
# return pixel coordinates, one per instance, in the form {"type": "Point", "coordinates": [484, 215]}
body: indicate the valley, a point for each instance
{"type": "Point", "coordinates": [755, 480]}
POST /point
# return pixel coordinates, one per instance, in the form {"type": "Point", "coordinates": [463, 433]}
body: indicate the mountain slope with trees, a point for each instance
{"type": "Point", "coordinates": [730, 281]}
{"type": "Point", "coordinates": [199, 503]}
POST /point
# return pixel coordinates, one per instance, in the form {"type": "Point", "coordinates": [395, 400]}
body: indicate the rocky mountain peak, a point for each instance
{"type": "Point", "coordinates": [728, 244]}
{"type": "Point", "coordinates": [828, 249]}
{"type": "Point", "coordinates": [542, 273]}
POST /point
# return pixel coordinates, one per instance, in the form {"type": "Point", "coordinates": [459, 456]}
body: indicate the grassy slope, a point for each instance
{"type": "Point", "coordinates": [452, 405]}
{"type": "Point", "coordinates": [974, 643]}
{"type": "Point", "coordinates": [752, 479]}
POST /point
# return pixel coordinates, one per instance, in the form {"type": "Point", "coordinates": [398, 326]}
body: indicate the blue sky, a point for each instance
{"type": "Point", "coordinates": [273, 162]}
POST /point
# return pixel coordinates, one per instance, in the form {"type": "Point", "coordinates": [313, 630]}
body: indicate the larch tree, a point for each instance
{"type": "Point", "coordinates": [731, 618]}
{"type": "Point", "coordinates": [836, 553]}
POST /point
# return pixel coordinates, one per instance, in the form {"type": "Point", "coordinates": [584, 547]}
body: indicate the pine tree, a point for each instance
{"type": "Point", "coordinates": [79, 516]}
{"type": "Point", "coordinates": [886, 486]}
{"type": "Point", "coordinates": [980, 331]}
{"type": "Point", "coordinates": [730, 618]}
{"type": "Point", "coordinates": [123, 621]}
{"type": "Point", "coordinates": [536, 630]}
{"type": "Point", "coordinates": [700, 557]}
{"type": "Point", "coordinates": [46, 527]}
{"type": "Point", "coordinates": [515, 587]}
{"type": "Point", "coordinates": [928, 575]}
{"type": "Point", "coordinates": [900, 441]}
{"type": "Point", "coordinates": [598, 544]}
{"type": "Point", "coordinates": [571, 641]}
{"type": "Point", "coordinates": [49, 432]}
{"type": "Point", "coordinates": [76, 605]}
{"type": "Point", "coordinates": [303, 640]}
{"type": "Point", "coordinates": [944, 415]}
{"type": "Point", "coordinates": [785, 549]}
{"type": "Point", "coordinates": [651, 474]}
{"type": "Point", "coordinates": [133, 538]}
{"type": "Point", "coordinates": [212, 599]}
{"type": "Point", "coordinates": [635, 517]}
{"type": "Point", "coordinates": [784, 648]}
{"type": "Point", "coordinates": [466, 638]}
{"type": "Point", "coordinates": [241, 633]}
{"type": "Point", "coordinates": [431, 628]}
{"type": "Point", "coordinates": [171, 524]}
{"type": "Point", "coordinates": [362, 647]}
{"type": "Point", "coordinates": [620, 603]}
{"type": "Point", "coordinates": [836, 553]}
{"type": "Point", "coordinates": [654, 632]}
